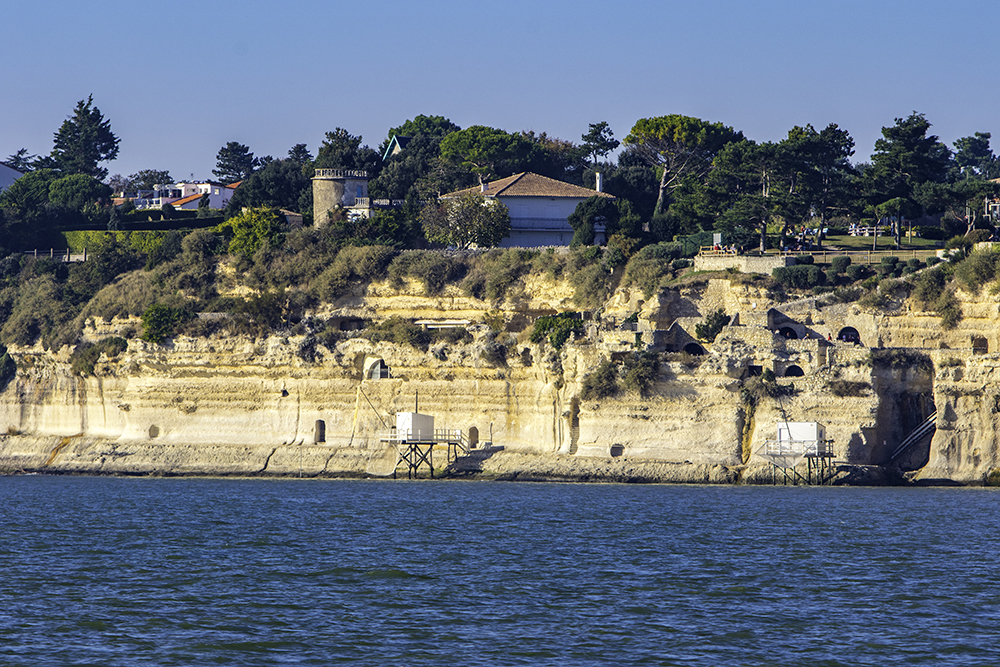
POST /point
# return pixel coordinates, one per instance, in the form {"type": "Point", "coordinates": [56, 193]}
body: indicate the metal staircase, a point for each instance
{"type": "Point", "coordinates": [927, 427]}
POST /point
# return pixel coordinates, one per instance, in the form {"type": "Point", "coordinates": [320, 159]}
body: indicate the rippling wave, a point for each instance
{"type": "Point", "coordinates": [102, 571]}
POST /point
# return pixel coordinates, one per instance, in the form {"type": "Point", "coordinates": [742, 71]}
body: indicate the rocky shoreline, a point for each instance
{"type": "Point", "coordinates": [89, 456]}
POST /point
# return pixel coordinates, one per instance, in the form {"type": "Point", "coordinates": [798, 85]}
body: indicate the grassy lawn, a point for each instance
{"type": "Point", "coordinates": [884, 243]}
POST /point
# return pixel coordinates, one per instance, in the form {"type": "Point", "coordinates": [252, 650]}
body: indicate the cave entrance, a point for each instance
{"type": "Point", "coordinates": [755, 371]}
{"type": "Point", "coordinates": [794, 371]}
{"type": "Point", "coordinates": [473, 437]}
{"type": "Point", "coordinates": [980, 345]}
{"type": "Point", "coordinates": [319, 431]}
{"type": "Point", "coordinates": [695, 349]}
{"type": "Point", "coordinates": [849, 335]}
{"type": "Point", "coordinates": [788, 332]}
{"type": "Point", "coordinates": [617, 450]}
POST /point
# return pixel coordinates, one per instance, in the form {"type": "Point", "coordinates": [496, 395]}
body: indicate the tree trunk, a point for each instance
{"type": "Point", "coordinates": [659, 199]}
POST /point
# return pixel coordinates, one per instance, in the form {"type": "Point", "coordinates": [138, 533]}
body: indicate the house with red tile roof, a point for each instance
{"type": "Point", "coordinates": [539, 207]}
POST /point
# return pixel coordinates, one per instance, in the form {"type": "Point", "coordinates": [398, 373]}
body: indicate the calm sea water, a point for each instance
{"type": "Point", "coordinates": [101, 571]}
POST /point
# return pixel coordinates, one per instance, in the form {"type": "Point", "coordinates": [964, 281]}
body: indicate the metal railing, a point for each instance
{"type": "Point", "coordinates": [341, 173]}
{"type": "Point", "coordinates": [62, 256]}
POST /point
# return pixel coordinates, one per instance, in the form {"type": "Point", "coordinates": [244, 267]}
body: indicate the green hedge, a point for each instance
{"type": "Point", "coordinates": [801, 276]}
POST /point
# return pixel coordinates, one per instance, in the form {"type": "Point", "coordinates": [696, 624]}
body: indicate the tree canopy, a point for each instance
{"type": "Point", "coordinates": [490, 153]}
{"type": "Point", "coordinates": [467, 221]}
{"type": "Point", "coordinates": [680, 146]}
{"type": "Point", "coordinates": [84, 140]}
{"type": "Point", "coordinates": [234, 162]}
{"type": "Point", "coordinates": [599, 140]}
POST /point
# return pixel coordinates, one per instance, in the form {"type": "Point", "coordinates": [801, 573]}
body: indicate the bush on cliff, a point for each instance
{"type": "Point", "coordinates": [639, 371]}
{"type": "Point", "coordinates": [601, 382]}
{"type": "Point", "coordinates": [159, 322]}
{"type": "Point", "coordinates": [433, 269]}
{"type": "Point", "coordinates": [976, 270]}
{"type": "Point", "coordinates": [556, 329]}
{"type": "Point", "coordinates": [85, 356]}
{"type": "Point", "coordinates": [710, 329]}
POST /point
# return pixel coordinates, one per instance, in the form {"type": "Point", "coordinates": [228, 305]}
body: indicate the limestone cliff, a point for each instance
{"type": "Point", "coordinates": [288, 405]}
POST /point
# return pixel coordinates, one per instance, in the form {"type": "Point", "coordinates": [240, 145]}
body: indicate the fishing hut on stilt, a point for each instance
{"type": "Point", "coordinates": [797, 443]}
{"type": "Point", "coordinates": [415, 438]}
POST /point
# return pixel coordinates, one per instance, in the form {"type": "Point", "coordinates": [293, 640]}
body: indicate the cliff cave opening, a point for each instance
{"type": "Point", "coordinates": [695, 349]}
{"type": "Point", "coordinates": [849, 335]}
{"type": "Point", "coordinates": [319, 433]}
{"type": "Point", "coordinates": [788, 332]}
{"type": "Point", "coordinates": [794, 371]}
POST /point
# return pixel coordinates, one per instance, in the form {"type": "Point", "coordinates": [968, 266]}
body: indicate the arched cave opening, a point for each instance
{"type": "Point", "coordinates": [794, 371]}
{"type": "Point", "coordinates": [788, 332]}
{"type": "Point", "coordinates": [695, 349]}
{"type": "Point", "coordinates": [849, 335]}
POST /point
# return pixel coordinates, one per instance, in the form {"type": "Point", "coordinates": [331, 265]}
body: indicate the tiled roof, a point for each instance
{"type": "Point", "coordinates": [186, 200]}
{"type": "Point", "coordinates": [527, 184]}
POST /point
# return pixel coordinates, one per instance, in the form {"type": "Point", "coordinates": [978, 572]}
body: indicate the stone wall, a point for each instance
{"type": "Point", "coordinates": [744, 263]}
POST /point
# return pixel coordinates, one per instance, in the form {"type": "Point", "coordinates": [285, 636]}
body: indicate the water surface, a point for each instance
{"type": "Point", "coordinates": [113, 571]}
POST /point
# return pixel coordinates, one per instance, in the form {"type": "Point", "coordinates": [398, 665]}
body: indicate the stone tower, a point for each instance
{"type": "Point", "coordinates": [339, 187]}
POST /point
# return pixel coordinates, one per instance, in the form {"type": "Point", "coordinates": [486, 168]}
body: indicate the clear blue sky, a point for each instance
{"type": "Point", "coordinates": [180, 79]}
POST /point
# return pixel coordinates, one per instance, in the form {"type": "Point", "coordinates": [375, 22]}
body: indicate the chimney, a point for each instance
{"type": "Point", "coordinates": [600, 181]}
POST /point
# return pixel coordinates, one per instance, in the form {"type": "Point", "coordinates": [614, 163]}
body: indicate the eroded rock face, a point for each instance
{"type": "Point", "coordinates": [288, 405]}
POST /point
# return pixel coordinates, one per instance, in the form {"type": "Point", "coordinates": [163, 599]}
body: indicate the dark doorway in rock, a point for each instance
{"type": "Point", "coordinates": [980, 345]}
{"type": "Point", "coordinates": [319, 432]}
{"type": "Point", "coordinates": [849, 335]}
{"type": "Point", "coordinates": [695, 349]}
{"type": "Point", "coordinates": [794, 371]}
{"type": "Point", "coordinates": [617, 450]}
{"type": "Point", "coordinates": [788, 332]}
{"type": "Point", "coordinates": [473, 437]}
{"type": "Point", "coordinates": [755, 371]}
{"type": "Point", "coordinates": [574, 425]}
{"type": "Point", "coordinates": [379, 371]}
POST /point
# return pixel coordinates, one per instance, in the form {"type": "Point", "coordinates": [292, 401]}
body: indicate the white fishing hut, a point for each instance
{"type": "Point", "coordinates": [798, 441]}
{"type": "Point", "coordinates": [414, 427]}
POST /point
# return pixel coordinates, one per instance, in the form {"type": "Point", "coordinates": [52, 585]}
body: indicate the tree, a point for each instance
{"type": "Point", "coordinates": [84, 140]}
{"type": "Point", "coordinates": [21, 161]}
{"type": "Point", "coordinates": [905, 157]}
{"type": "Point", "coordinates": [974, 158]}
{"type": "Point", "coordinates": [300, 155]}
{"type": "Point", "coordinates": [469, 220]}
{"type": "Point", "coordinates": [77, 191]}
{"type": "Point", "coordinates": [599, 141]}
{"type": "Point", "coordinates": [343, 150]}
{"type": "Point", "coordinates": [278, 185]}
{"type": "Point", "coordinates": [680, 146]}
{"type": "Point", "coordinates": [816, 171]}
{"type": "Point", "coordinates": [428, 126]}
{"type": "Point", "coordinates": [489, 153]}
{"type": "Point", "coordinates": [147, 179]}
{"type": "Point", "coordinates": [252, 228]}
{"type": "Point", "coordinates": [743, 189]}
{"type": "Point", "coordinates": [234, 162]}
{"type": "Point", "coordinates": [592, 212]}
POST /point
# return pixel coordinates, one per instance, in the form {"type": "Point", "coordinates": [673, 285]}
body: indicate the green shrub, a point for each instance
{"type": "Point", "coordinates": [640, 371]}
{"type": "Point", "coordinates": [556, 329]}
{"type": "Point", "coordinates": [432, 268]}
{"type": "Point", "coordinates": [929, 286]}
{"type": "Point", "coordinates": [914, 264]}
{"type": "Point", "coordinates": [976, 270]}
{"type": "Point", "coordinates": [933, 260]}
{"type": "Point", "coordinates": [800, 276]}
{"type": "Point", "coordinates": [840, 263]}
{"type": "Point", "coordinates": [804, 260]}
{"type": "Point", "coordinates": [86, 355]}
{"type": "Point", "coordinates": [855, 272]}
{"type": "Point", "coordinates": [712, 326]}
{"type": "Point", "coordinates": [601, 382]}
{"type": "Point", "coordinates": [399, 331]}
{"type": "Point", "coordinates": [890, 261]}
{"type": "Point", "coordinates": [159, 322]}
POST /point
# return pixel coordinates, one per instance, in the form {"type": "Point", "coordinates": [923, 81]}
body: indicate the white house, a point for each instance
{"type": "Point", "coordinates": [8, 176]}
{"type": "Point", "coordinates": [187, 195]}
{"type": "Point", "coordinates": [539, 207]}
